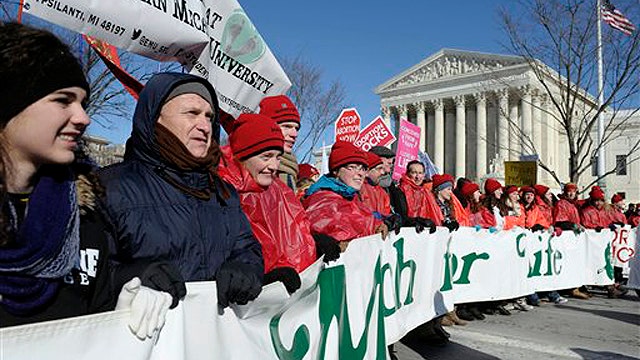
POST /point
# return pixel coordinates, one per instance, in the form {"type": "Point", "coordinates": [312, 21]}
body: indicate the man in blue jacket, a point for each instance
{"type": "Point", "coordinates": [166, 200]}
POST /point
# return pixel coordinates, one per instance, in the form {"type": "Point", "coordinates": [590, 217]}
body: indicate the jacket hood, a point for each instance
{"type": "Point", "coordinates": [142, 143]}
{"type": "Point", "coordinates": [332, 184]}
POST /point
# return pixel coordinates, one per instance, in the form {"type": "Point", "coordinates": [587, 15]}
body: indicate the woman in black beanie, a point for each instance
{"type": "Point", "coordinates": [53, 238]}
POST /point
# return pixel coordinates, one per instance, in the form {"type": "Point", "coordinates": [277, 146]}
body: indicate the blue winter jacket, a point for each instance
{"type": "Point", "coordinates": [154, 220]}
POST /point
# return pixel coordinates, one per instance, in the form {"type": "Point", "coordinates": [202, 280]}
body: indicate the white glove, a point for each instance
{"type": "Point", "coordinates": [148, 308]}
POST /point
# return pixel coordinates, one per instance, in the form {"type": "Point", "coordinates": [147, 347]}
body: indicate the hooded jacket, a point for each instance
{"type": "Point", "coordinates": [153, 219]}
{"type": "Point", "coordinates": [375, 198]}
{"type": "Point", "coordinates": [277, 218]}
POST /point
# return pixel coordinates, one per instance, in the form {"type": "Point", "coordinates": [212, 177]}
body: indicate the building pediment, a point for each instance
{"type": "Point", "coordinates": [449, 64]}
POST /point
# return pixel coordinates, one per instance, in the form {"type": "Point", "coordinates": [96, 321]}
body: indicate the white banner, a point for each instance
{"type": "Point", "coordinates": [214, 39]}
{"type": "Point", "coordinates": [372, 296]}
{"type": "Point", "coordinates": [634, 265]}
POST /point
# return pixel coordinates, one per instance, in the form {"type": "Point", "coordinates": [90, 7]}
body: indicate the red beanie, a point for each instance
{"type": "Point", "coordinates": [616, 198]}
{"type": "Point", "coordinates": [570, 186]}
{"type": "Point", "coordinates": [596, 193]}
{"type": "Point", "coordinates": [491, 185]}
{"type": "Point", "coordinates": [527, 189]}
{"type": "Point", "coordinates": [253, 134]}
{"type": "Point", "coordinates": [373, 160]}
{"type": "Point", "coordinates": [469, 188]}
{"type": "Point", "coordinates": [511, 189]}
{"type": "Point", "coordinates": [540, 189]}
{"type": "Point", "coordinates": [280, 109]}
{"type": "Point", "coordinates": [306, 171]}
{"type": "Point", "coordinates": [441, 182]}
{"type": "Point", "coordinates": [343, 153]}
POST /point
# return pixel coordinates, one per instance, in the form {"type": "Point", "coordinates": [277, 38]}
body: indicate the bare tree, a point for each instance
{"type": "Point", "coordinates": [558, 39]}
{"type": "Point", "coordinates": [319, 105]}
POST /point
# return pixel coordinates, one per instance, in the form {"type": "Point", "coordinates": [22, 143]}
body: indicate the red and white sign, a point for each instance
{"type": "Point", "coordinates": [408, 146]}
{"type": "Point", "coordinates": [348, 125]}
{"type": "Point", "coordinates": [375, 134]}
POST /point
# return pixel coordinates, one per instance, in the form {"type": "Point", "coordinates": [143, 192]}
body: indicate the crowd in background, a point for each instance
{"type": "Point", "coordinates": [76, 239]}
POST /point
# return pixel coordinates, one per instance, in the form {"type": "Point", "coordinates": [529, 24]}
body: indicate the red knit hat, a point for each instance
{"type": "Point", "coordinates": [596, 193]}
{"type": "Point", "coordinates": [253, 134]}
{"type": "Point", "coordinates": [510, 189]}
{"type": "Point", "coordinates": [469, 188]}
{"type": "Point", "coordinates": [540, 189]}
{"type": "Point", "coordinates": [491, 185]}
{"type": "Point", "coordinates": [570, 186]}
{"type": "Point", "coordinates": [527, 189]}
{"type": "Point", "coordinates": [279, 108]}
{"type": "Point", "coordinates": [373, 160]}
{"type": "Point", "coordinates": [343, 153]}
{"type": "Point", "coordinates": [441, 182]}
{"type": "Point", "coordinates": [616, 198]}
{"type": "Point", "coordinates": [306, 171]}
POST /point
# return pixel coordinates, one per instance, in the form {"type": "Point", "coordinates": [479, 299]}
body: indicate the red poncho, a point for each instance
{"type": "Point", "coordinates": [593, 218]}
{"type": "Point", "coordinates": [435, 214]}
{"type": "Point", "coordinates": [341, 218]}
{"type": "Point", "coordinates": [376, 199]}
{"type": "Point", "coordinates": [565, 210]}
{"type": "Point", "coordinates": [277, 218]}
{"type": "Point", "coordinates": [419, 200]}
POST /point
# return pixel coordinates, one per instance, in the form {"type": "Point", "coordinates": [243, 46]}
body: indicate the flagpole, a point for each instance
{"type": "Point", "coordinates": [600, 128]}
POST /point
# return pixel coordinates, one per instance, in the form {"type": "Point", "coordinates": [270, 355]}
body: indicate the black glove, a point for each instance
{"type": "Point", "coordinates": [420, 224]}
{"type": "Point", "coordinates": [238, 283]}
{"type": "Point", "coordinates": [612, 226]}
{"type": "Point", "coordinates": [452, 225]}
{"type": "Point", "coordinates": [598, 229]}
{"type": "Point", "coordinates": [157, 275]}
{"type": "Point", "coordinates": [394, 223]}
{"type": "Point", "coordinates": [538, 227]}
{"type": "Point", "coordinates": [286, 275]}
{"type": "Point", "coordinates": [566, 225]}
{"type": "Point", "coordinates": [327, 246]}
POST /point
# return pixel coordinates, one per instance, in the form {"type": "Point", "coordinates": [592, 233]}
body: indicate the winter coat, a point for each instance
{"type": "Point", "coordinates": [616, 216]}
{"type": "Point", "coordinates": [334, 209]}
{"type": "Point", "coordinates": [153, 219]}
{"type": "Point", "coordinates": [376, 199]}
{"type": "Point", "coordinates": [593, 218]}
{"type": "Point", "coordinates": [435, 213]}
{"type": "Point", "coordinates": [277, 218]}
{"type": "Point", "coordinates": [88, 289]}
{"type": "Point", "coordinates": [514, 220]}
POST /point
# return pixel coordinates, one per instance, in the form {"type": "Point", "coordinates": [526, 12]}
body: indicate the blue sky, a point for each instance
{"type": "Point", "coordinates": [364, 43]}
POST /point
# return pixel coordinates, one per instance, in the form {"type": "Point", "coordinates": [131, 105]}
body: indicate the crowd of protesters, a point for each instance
{"type": "Point", "coordinates": [77, 240]}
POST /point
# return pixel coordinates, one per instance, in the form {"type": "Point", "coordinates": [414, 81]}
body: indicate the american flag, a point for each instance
{"type": "Point", "coordinates": [616, 19]}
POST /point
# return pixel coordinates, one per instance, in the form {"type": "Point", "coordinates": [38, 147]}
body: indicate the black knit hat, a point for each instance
{"type": "Point", "coordinates": [382, 151]}
{"type": "Point", "coordinates": [33, 64]}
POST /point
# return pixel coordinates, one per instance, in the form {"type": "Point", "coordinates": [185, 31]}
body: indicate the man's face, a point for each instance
{"type": "Point", "coordinates": [188, 117]}
{"type": "Point", "coordinates": [528, 197]}
{"type": "Point", "coordinates": [620, 205]}
{"type": "Point", "coordinates": [599, 204]}
{"type": "Point", "coordinates": [375, 173]}
{"type": "Point", "coordinates": [572, 194]}
{"type": "Point", "coordinates": [290, 133]}
{"type": "Point", "coordinates": [388, 164]}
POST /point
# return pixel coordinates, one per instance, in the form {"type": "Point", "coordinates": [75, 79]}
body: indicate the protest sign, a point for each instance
{"type": "Point", "coordinates": [408, 146]}
{"type": "Point", "coordinates": [520, 173]}
{"type": "Point", "coordinates": [213, 39]}
{"type": "Point", "coordinates": [375, 134]}
{"type": "Point", "coordinates": [350, 309]}
{"type": "Point", "coordinates": [347, 125]}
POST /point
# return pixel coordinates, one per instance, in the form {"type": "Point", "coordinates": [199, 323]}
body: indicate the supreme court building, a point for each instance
{"type": "Point", "coordinates": [477, 110]}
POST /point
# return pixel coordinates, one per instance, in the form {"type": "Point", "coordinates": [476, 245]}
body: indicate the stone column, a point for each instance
{"type": "Point", "coordinates": [503, 124]}
{"type": "Point", "coordinates": [421, 121]}
{"type": "Point", "coordinates": [481, 135]}
{"type": "Point", "coordinates": [527, 140]}
{"type": "Point", "coordinates": [386, 115]}
{"type": "Point", "coordinates": [438, 134]}
{"type": "Point", "coordinates": [537, 122]}
{"type": "Point", "coordinates": [514, 132]}
{"type": "Point", "coordinates": [403, 111]}
{"type": "Point", "coordinates": [461, 134]}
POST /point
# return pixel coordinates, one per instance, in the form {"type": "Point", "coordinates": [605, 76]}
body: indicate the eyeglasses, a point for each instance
{"type": "Point", "coordinates": [355, 168]}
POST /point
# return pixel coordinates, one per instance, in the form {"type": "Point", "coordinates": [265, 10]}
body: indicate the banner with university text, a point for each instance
{"type": "Point", "coordinates": [351, 309]}
{"type": "Point", "coordinates": [213, 39]}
